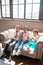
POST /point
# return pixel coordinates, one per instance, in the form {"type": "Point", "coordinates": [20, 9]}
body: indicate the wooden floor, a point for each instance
{"type": "Point", "coordinates": [26, 60]}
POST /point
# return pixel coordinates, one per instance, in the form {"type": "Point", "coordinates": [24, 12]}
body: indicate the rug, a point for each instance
{"type": "Point", "coordinates": [6, 62]}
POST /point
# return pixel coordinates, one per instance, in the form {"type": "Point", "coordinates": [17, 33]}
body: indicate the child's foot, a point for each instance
{"type": "Point", "coordinates": [31, 52]}
{"type": "Point", "coordinates": [13, 63]}
{"type": "Point", "coordinates": [20, 63]}
{"type": "Point", "coordinates": [18, 52]}
{"type": "Point", "coordinates": [10, 59]}
{"type": "Point", "coordinates": [25, 49]}
{"type": "Point", "coordinates": [14, 52]}
{"type": "Point", "coordinates": [6, 61]}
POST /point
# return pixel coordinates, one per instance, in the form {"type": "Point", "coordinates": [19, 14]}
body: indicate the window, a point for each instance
{"type": "Point", "coordinates": [5, 8]}
{"type": "Point", "coordinates": [18, 8]}
{"type": "Point", "coordinates": [0, 12]}
{"type": "Point", "coordinates": [15, 13]}
{"type": "Point", "coordinates": [32, 9]}
{"type": "Point", "coordinates": [28, 11]}
{"type": "Point", "coordinates": [25, 9]}
{"type": "Point", "coordinates": [0, 9]}
{"type": "Point", "coordinates": [35, 13]}
{"type": "Point", "coordinates": [21, 11]}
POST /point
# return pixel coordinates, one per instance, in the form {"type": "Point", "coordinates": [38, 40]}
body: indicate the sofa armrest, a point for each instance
{"type": "Point", "coordinates": [42, 53]}
{"type": "Point", "coordinates": [2, 38]}
{"type": "Point", "coordinates": [39, 46]}
{"type": "Point", "coordinates": [6, 35]}
{"type": "Point", "coordinates": [39, 49]}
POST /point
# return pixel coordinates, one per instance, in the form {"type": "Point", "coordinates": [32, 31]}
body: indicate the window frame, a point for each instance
{"type": "Point", "coordinates": [11, 9]}
{"type": "Point", "coordinates": [5, 9]}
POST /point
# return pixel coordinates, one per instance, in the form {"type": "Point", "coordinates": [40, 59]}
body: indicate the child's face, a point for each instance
{"type": "Point", "coordinates": [25, 30]}
{"type": "Point", "coordinates": [35, 33]}
{"type": "Point", "coordinates": [17, 29]}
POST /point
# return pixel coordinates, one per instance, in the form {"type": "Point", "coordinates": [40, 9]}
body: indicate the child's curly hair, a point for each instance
{"type": "Point", "coordinates": [35, 30]}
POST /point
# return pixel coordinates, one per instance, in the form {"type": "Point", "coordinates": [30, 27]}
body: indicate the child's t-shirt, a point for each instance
{"type": "Point", "coordinates": [25, 35]}
{"type": "Point", "coordinates": [35, 38]}
{"type": "Point", "coordinates": [18, 34]}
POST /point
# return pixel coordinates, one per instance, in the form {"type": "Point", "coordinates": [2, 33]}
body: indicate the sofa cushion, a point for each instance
{"type": "Point", "coordinates": [26, 53]}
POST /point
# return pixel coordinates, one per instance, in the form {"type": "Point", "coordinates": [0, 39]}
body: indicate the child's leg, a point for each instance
{"type": "Point", "coordinates": [28, 44]}
{"type": "Point", "coordinates": [20, 48]}
{"type": "Point", "coordinates": [16, 47]}
{"type": "Point", "coordinates": [9, 41]}
{"type": "Point", "coordinates": [7, 45]}
{"type": "Point", "coordinates": [25, 48]}
{"type": "Point", "coordinates": [14, 44]}
{"type": "Point", "coordinates": [21, 45]}
{"type": "Point", "coordinates": [34, 46]}
{"type": "Point", "coordinates": [31, 50]}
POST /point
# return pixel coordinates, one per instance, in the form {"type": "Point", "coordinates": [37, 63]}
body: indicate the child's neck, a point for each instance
{"type": "Point", "coordinates": [25, 31]}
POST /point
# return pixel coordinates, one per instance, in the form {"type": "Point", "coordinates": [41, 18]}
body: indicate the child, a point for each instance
{"type": "Point", "coordinates": [17, 35]}
{"type": "Point", "coordinates": [31, 45]}
{"type": "Point", "coordinates": [19, 45]}
{"type": "Point", "coordinates": [18, 32]}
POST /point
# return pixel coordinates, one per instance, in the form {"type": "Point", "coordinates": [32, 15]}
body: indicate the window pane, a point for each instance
{"type": "Point", "coordinates": [15, 1]}
{"type": "Point", "coordinates": [21, 11]}
{"type": "Point", "coordinates": [15, 11]}
{"type": "Point", "coordinates": [36, 1]}
{"type": "Point", "coordinates": [3, 11]}
{"type": "Point", "coordinates": [7, 1]}
{"type": "Point", "coordinates": [21, 1]}
{"type": "Point", "coordinates": [0, 11]}
{"type": "Point", "coordinates": [7, 11]}
{"type": "Point", "coordinates": [3, 2]}
{"type": "Point", "coordinates": [35, 14]}
{"type": "Point", "coordinates": [28, 11]}
{"type": "Point", "coordinates": [28, 1]}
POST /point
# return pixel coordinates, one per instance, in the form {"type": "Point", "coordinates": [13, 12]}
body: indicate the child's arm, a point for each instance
{"type": "Point", "coordinates": [16, 35]}
{"type": "Point", "coordinates": [21, 35]}
{"type": "Point", "coordinates": [28, 38]}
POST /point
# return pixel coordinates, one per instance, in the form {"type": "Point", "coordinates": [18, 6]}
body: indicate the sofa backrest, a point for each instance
{"type": "Point", "coordinates": [10, 34]}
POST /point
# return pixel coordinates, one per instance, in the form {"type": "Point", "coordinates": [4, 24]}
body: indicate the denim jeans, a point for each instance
{"type": "Point", "coordinates": [19, 45]}
{"type": "Point", "coordinates": [31, 44]}
{"type": "Point", "coordinates": [8, 43]}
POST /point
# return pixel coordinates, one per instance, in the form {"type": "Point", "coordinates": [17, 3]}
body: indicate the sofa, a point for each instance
{"type": "Point", "coordinates": [7, 34]}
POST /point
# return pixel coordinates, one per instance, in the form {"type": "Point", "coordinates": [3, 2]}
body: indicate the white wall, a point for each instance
{"type": "Point", "coordinates": [9, 23]}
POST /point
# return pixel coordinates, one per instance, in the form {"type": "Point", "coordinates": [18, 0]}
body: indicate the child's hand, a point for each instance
{"type": "Point", "coordinates": [28, 38]}
{"type": "Point", "coordinates": [22, 34]}
{"type": "Point", "coordinates": [25, 49]}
